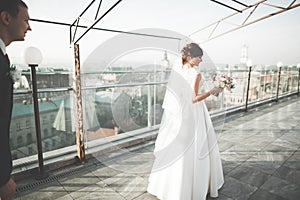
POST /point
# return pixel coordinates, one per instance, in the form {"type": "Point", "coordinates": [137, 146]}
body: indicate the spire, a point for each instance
{"type": "Point", "coordinates": [165, 61]}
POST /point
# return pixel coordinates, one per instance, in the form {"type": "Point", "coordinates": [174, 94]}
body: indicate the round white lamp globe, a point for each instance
{"type": "Point", "coordinates": [33, 56]}
{"type": "Point", "coordinates": [279, 64]}
{"type": "Point", "coordinates": [249, 63]}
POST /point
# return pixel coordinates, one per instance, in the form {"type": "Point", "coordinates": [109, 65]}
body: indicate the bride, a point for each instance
{"type": "Point", "coordinates": [187, 162]}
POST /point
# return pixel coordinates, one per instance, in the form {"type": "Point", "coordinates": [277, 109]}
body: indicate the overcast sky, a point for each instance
{"type": "Point", "coordinates": [269, 41]}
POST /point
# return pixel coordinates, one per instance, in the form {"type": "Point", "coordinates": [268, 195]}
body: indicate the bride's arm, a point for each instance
{"type": "Point", "coordinates": [199, 97]}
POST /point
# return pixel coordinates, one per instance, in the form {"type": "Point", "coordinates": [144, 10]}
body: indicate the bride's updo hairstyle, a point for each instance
{"type": "Point", "coordinates": [190, 50]}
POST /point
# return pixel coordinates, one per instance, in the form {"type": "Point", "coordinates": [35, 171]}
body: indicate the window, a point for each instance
{"type": "Point", "coordinates": [27, 123]}
{"type": "Point", "coordinates": [46, 145]}
{"type": "Point", "coordinates": [18, 126]}
{"type": "Point", "coordinates": [44, 120]}
{"type": "Point", "coordinates": [29, 138]}
{"type": "Point", "coordinates": [20, 140]}
{"type": "Point", "coordinates": [46, 133]}
{"type": "Point", "coordinates": [30, 151]}
{"type": "Point", "coordinates": [53, 142]}
{"type": "Point", "coordinates": [52, 118]}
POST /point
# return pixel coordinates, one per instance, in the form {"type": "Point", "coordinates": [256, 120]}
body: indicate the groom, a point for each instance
{"type": "Point", "coordinates": [13, 27]}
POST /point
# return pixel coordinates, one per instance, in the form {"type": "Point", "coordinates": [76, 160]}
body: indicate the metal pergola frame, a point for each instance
{"type": "Point", "coordinates": [253, 8]}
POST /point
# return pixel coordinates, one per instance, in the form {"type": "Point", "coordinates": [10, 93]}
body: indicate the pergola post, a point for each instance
{"type": "Point", "coordinates": [78, 108]}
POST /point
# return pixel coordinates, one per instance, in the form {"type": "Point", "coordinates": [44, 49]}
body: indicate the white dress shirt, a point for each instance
{"type": "Point", "coordinates": [2, 46]}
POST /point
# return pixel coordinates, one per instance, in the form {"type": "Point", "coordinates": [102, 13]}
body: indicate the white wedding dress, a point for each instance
{"type": "Point", "coordinates": [187, 163]}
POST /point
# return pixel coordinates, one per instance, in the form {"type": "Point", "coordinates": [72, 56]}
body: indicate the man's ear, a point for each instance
{"type": "Point", "coordinates": [5, 17]}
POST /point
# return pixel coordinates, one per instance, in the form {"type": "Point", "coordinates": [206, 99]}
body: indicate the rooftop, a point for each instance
{"type": "Point", "coordinates": [259, 151]}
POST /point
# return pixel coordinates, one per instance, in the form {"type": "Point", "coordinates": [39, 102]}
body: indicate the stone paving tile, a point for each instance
{"type": "Point", "coordinates": [224, 145]}
{"type": "Point", "coordinates": [265, 195]}
{"type": "Point", "coordinates": [292, 137]}
{"type": "Point", "coordinates": [228, 166]}
{"type": "Point", "coordinates": [128, 185]}
{"type": "Point", "coordinates": [136, 163]}
{"type": "Point", "coordinates": [220, 197]}
{"type": "Point", "coordinates": [97, 191]}
{"type": "Point", "coordinates": [243, 148]}
{"type": "Point", "coordinates": [285, 143]}
{"type": "Point", "coordinates": [104, 172]}
{"type": "Point", "coordinates": [282, 188]}
{"type": "Point", "coordinates": [235, 137]}
{"type": "Point", "coordinates": [268, 162]}
{"type": "Point", "coordinates": [236, 189]}
{"type": "Point", "coordinates": [236, 156]}
{"type": "Point", "coordinates": [146, 196]}
{"type": "Point", "coordinates": [250, 175]}
{"type": "Point", "coordinates": [66, 197]}
{"type": "Point", "coordinates": [293, 161]}
{"type": "Point", "coordinates": [76, 182]}
{"type": "Point", "coordinates": [273, 147]}
{"type": "Point", "coordinates": [262, 138]}
{"type": "Point", "coordinates": [51, 191]}
{"type": "Point", "coordinates": [288, 174]}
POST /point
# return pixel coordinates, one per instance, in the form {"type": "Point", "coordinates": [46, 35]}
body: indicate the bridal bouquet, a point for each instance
{"type": "Point", "coordinates": [226, 82]}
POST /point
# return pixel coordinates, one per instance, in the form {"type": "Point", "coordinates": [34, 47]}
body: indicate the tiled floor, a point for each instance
{"type": "Point", "coordinates": [259, 150]}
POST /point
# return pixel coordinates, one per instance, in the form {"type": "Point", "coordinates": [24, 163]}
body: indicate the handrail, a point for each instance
{"type": "Point", "coordinates": [65, 89]}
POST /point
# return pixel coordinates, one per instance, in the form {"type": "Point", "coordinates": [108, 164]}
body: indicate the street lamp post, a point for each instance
{"type": "Point", "coordinates": [279, 66]}
{"type": "Point", "coordinates": [33, 58]}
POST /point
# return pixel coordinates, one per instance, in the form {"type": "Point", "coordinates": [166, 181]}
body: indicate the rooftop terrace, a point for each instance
{"type": "Point", "coordinates": [259, 151]}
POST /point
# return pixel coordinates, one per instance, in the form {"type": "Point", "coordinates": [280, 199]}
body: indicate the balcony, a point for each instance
{"type": "Point", "coordinates": [257, 126]}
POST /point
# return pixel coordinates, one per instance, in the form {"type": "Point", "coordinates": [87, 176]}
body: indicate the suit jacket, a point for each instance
{"type": "Point", "coordinates": [6, 103]}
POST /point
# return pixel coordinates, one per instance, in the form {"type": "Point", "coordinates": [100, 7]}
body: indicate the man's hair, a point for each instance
{"type": "Point", "coordinates": [11, 6]}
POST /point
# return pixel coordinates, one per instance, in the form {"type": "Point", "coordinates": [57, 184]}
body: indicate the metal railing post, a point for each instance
{"type": "Point", "coordinates": [149, 102]}
{"type": "Point", "coordinates": [278, 83]}
{"type": "Point", "coordinates": [78, 108]}
{"type": "Point", "coordinates": [248, 86]}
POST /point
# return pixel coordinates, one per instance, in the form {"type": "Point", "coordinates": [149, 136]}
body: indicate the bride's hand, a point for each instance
{"type": "Point", "coordinates": [216, 90]}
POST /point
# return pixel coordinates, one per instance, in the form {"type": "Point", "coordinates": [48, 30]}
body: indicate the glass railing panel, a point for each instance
{"type": "Point", "coordinates": [56, 122]}
{"type": "Point", "coordinates": [22, 127]}
{"type": "Point", "coordinates": [274, 83]}
{"type": "Point", "coordinates": [237, 96]}
{"type": "Point", "coordinates": [283, 83]}
{"type": "Point", "coordinates": [294, 80]}
{"type": "Point", "coordinates": [291, 84]}
{"type": "Point", "coordinates": [115, 110]}
{"type": "Point", "coordinates": [269, 83]}
{"type": "Point", "coordinates": [255, 86]}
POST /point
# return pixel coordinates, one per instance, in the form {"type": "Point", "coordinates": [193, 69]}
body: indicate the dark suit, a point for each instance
{"type": "Point", "coordinates": [6, 103]}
